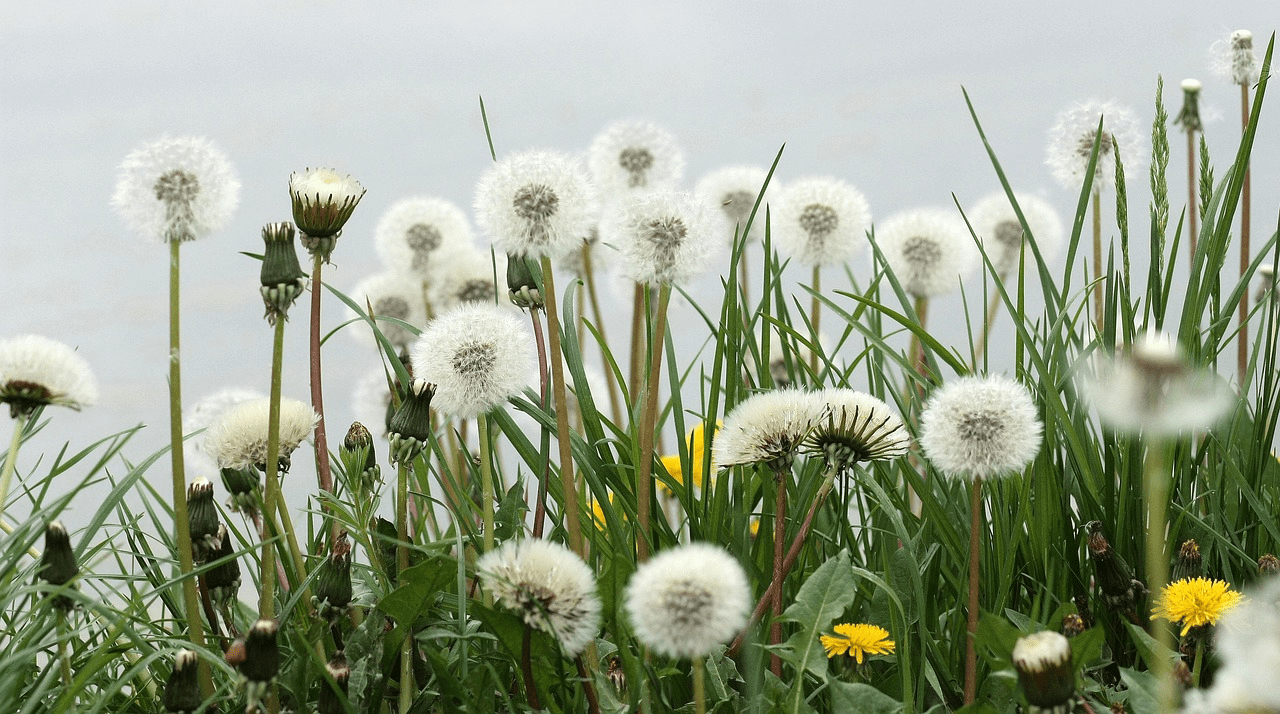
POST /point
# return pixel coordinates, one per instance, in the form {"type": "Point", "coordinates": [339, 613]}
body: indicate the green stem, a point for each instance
{"type": "Point", "coordinates": [615, 405]}
{"type": "Point", "coordinates": [63, 656]}
{"type": "Point", "coordinates": [486, 478]}
{"type": "Point", "coordinates": [295, 552]}
{"type": "Point", "coordinates": [11, 459]}
{"type": "Point", "coordinates": [779, 532]}
{"type": "Point", "coordinates": [402, 564]}
{"type": "Point", "coordinates": [1196, 667]}
{"type": "Point", "coordinates": [975, 554]}
{"type": "Point", "coordinates": [649, 424]}
{"type": "Point", "coordinates": [814, 314]}
{"type": "Point", "coordinates": [1155, 479]}
{"type": "Point", "coordinates": [271, 490]}
{"type": "Point", "coordinates": [568, 483]}
{"type": "Point", "coordinates": [1098, 307]}
{"type": "Point", "coordinates": [699, 686]}
{"type": "Point", "coordinates": [1242, 339]}
{"type": "Point", "coordinates": [190, 599]}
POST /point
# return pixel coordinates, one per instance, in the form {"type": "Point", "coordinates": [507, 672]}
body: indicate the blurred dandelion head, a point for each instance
{"type": "Point", "coordinates": [1233, 58]}
{"type": "Point", "coordinates": [686, 600]}
{"type": "Point", "coordinates": [323, 201]}
{"type": "Point", "coordinates": [36, 371]}
{"type": "Point", "coordinates": [1043, 662]}
{"type": "Point", "coordinates": [182, 690]}
{"type": "Point", "coordinates": [733, 190]}
{"type": "Point", "coordinates": [238, 439]}
{"type": "Point", "coordinates": [1248, 647]}
{"type": "Point", "coordinates": [417, 235]}
{"type": "Point", "coordinates": [1073, 137]}
{"type": "Point", "coordinates": [469, 278]}
{"type": "Point", "coordinates": [176, 189]}
{"type": "Point", "coordinates": [927, 249]}
{"type": "Point", "coordinates": [391, 295]}
{"type": "Point", "coordinates": [765, 428]}
{"type": "Point", "coordinates": [1194, 602]}
{"type": "Point", "coordinates": [820, 221]}
{"type": "Point", "coordinates": [549, 586]}
{"type": "Point", "coordinates": [536, 203]}
{"type": "Point", "coordinates": [634, 156]}
{"type": "Point", "coordinates": [980, 427]}
{"type": "Point", "coordinates": [478, 355]}
{"type": "Point", "coordinates": [997, 224]}
{"type": "Point", "coordinates": [665, 237]}
{"type": "Point", "coordinates": [857, 640]}
{"type": "Point", "coordinates": [852, 426]}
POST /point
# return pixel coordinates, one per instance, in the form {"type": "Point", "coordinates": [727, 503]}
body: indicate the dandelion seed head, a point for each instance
{"type": "Point", "coordinates": [176, 189]}
{"type": "Point", "coordinates": [996, 223]}
{"type": "Point", "coordinates": [536, 203]}
{"type": "Point", "coordinates": [634, 156]}
{"type": "Point", "coordinates": [1248, 645]}
{"type": "Point", "coordinates": [417, 233]}
{"type": "Point", "coordinates": [665, 237]}
{"type": "Point", "coordinates": [686, 600]}
{"type": "Point", "coordinates": [927, 249]}
{"type": "Point", "coordinates": [478, 355]}
{"type": "Point", "coordinates": [733, 191]}
{"type": "Point", "coordinates": [820, 221]}
{"type": "Point", "coordinates": [467, 277]}
{"type": "Point", "coordinates": [36, 371]}
{"type": "Point", "coordinates": [853, 427]}
{"type": "Point", "coordinates": [1233, 57]}
{"type": "Point", "coordinates": [767, 427]}
{"type": "Point", "coordinates": [1072, 138]}
{"type": "Point", "coordinates": [980, 427]}
{"type": "Point", "coordinates": [202, 415]}
{"type": "Point", "coordinates": [394, 295]}
{"type": "Point", "coordinates": [549, 586]}
{"type": "Point", "coordinates": [238, 438]}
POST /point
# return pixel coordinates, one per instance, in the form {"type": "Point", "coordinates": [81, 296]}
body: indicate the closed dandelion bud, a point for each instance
{"type": "Point", "coordinates": [1114, 577]}
{"type": "Point", "coordinates": [333, 583]}
{"type": "Point", "coordinates": [1043, 662]}
{"type": "Point", "coordinates": [385, 535]}
{"type": "Point", "coordinates": [203, 518]}
{"type": "Point", "coordinates": [1073, 625]}
{"type": "Point", "coordinates": [261, 652]}
{"type": "Point", "coordinates": [522, 283]}
{"type": "Point", "coordinates": [323, 201]}
{"type": "Point", "coordinates": [1188, 565]}
{"type": "Point", "coordinates": [58, 563]}
{"type": "Point", "coordinates": [411, 425]}
{"type": "Point", "coordinates": [330, 702]}
{"type": "Point", "coordinates": [282, 277]}
{"type": "Point", "coordinates": [223, 579]}
{"type": "Point", "coordinates": [182, 691]}
{"type": "Point", "coordinates": [244, 488]}
{"type": "Point", "coordinates": [357, 457]}
{"type": "Point", "coordinates": [1268, 565]}
{"type": "Point", "coordinates": [1189, 117]}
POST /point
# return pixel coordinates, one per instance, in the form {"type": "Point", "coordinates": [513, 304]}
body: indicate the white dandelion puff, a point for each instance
{"type": "Point", "coordinates": [687, 600]}
{"type": "Point", "coordinates": [820, 221]}
{"type": "Point", "coordinates": [238, 439]}
{"type": "Point", "coordinates": [733, 190]}
{"type": "Point", "coordinates": [1072, 139]}
{"type": "Point", "coordinates": [391, 295]}
{"type": "Point", "coordinates": [1233, 58]}
{"type": "Point", "coordinates": [980, 427]}
{"type": "Point", "coordinates": [928, 249]}
{"type": "Point", "coordinates": [665, 237]}
{"type": "Point", "coordinates": [176, 189]}
{"type": "Point", "coordinates": [635, 156]}
{"type": "Point", "coordinates": [478, 355]}
{"type": "Point", "coordinates": [1248, 644]}
{"type": "Point", "coordinates": [467, 276]}
{"type": "Point", "coordinates": [536, 203]}
{"type": "Point", "coordinates": [766, 428]}
{"type": "Point", "coordinates": [202, 415]}
{"type": "Point", "coordinates": [996, 223]}
{"type": "Point", "coordinates": [36, 371]}
{"type": "Point", "coordinates": [549, 586]}
{"type": "Point", "coordinates": [854, 426]}
{"type": "Point", "coordinates": [416, 233]}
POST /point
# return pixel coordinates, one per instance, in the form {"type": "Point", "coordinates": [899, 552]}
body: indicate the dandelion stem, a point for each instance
{"type": "Point", "coordinates": [402, 565]}
{"type": "Point", "coordinates": [191, 600]}
{"type": "Point", "coordinates": [11, 458]}
{"type": "Point", "coordinates": [648, 425]}
{"type": "Point", "coordinates": [540, 509]}
{"type": "Point", "coordinates": [1242, 340]}
{"type": "Point", "coordinates": [1155, 479]}
{"type": "Point", "coordinates": [568, 483]}
{"type": "Point", "coordinates": [526, 669]}
{"type": "Point", "coordinates": [637, 331]}
{"type": "Point", "coordinates": [700, 686]}
{"type": "Point", "coordinates": [814, 314]}
{"type": "Point", "coordinates": [323, 472]}
{"type": "Point", "coordinates": [615, 404]}
{"type": "Point", "coordinates": [271, 489]}
{"type": "Point", "coordinates": [975, 553]}
{"type": "Point", "coordinates": [1098, 306]}
{"type": "Point", "coordinates": [993, 311]}
{"type": "Point", "coordinates": [486, 479]}
{"type": "Point", "coordinates": [779, 532]}
{"type": "Point", "coordinates": [593, 702]}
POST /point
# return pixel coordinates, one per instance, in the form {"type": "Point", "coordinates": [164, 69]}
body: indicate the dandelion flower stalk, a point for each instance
{"type": "Point", "coordinates": [1156, 474]}
{"type": "Point", "coordinates": [648, 423]}
{"type": "Point", "coordinates": [1189, 119]}
{"type": "Point", "coordinates": [11, 457]}
{"type": "Point", "coordinates": [568, 481]}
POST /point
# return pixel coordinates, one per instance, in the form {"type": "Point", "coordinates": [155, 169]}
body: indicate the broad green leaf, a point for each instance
{"type": "Point", "coordinates": [1143, 691]}
{"type": "Point", "coordinates": [860, 698]}
{"type": "Point", "coordinates": [822, 599]}
{"type": "Point", "coordinates": [421, 582]}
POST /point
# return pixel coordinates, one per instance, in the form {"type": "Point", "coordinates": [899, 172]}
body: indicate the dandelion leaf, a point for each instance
{"type": "Point", "coordinates": [422, 582]}
{"type": "Point", "coordinates": [860, 698]}
{"type": "Point", "coordinates": [821, 601]}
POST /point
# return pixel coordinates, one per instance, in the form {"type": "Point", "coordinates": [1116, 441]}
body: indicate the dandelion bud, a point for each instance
{"type": "Point", "coordinates": [522, 282]}
{"type": "Point", "coordinates": [1043, 661]}
{"type": "Point", "coordinates": [1268, 565]}
{"type": "Point", "coordinates": [243, 486]}
{"type": "Point", "coordinates": [411, 425]}
{"type": "Point", "coordinates": [1188, 565]}
{"type": "Point", "coordinates": [223, 579]}
{"type": "Point", "coordinates": [330, 701]}
{"type": "Point", "coordinates": [261, 652]}
{"type": "Point", "coordinates": [1073, 625]}
{"type": "Point", "coordinates": [202, 516]}
{"type": "Point", "coordinates": [282, 277]}
{"type": "Point", "coordinates": [333, 583]}
{"type": "Point", "coordinates": [1189, 117]}
{"type": "Point", "coordinates": [182, 691]}
{"type": "Point", "coordinates": [58, 564]}
{"type": "Point", "coordinates": [323, 202]}
{"type": "Point", "coordinates": [357, 456]}
{"type": "Point", "coordinates": [385, 535]}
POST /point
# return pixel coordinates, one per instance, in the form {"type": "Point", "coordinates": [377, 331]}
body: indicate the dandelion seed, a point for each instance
{"type": "Point", "coordinates": [980, 427]}
{"type": "Point", "coordinates": [391, 295]}
{"type": "Point", "coordinates": [820, 221]}
{"type": "Point", "coordinates": [1043, 663]}
{"type": "Point", "coordinates": [36, 371]}
{"type": "Point", "coordinates": [686, 600]}
{"type": "Point", "coordinates": [238, 439]}
{"type": "Point", "coordinates": [1072, 138]}
{"type": "Point", "coordinates": [549, 586]}
{"type": "Point", "coordinates": [176, 189]}
{"type": "Point", "coordinates": [928, 250]}
{"type": "Point", "coordinates": [852, 427]}
{"type": "Point", "coordinates": [733, 190]}
{"type": "Point", "coordinates": [665, 237]}
{"type": "Point", "coordinates": [415, 234]}
{"type": "Point", "coordinates": [323, 201]}
{"type": "Point", "coordinates": [996, 223]}
{"type": "Point", "coordinates": [1195, 602]}
{"type": "Point", "coordinates": [857, 641]}
{"type": "Point", "coordinates": [478, 356]}
{"type": "Point", "coordinates": [1234, 58]}
{"type": "Point", "coordinates": [536, 203]}
{"type": "Point", "coordinates": [766, 428]}
{"type": "Point", "coordinates": [634, 157]}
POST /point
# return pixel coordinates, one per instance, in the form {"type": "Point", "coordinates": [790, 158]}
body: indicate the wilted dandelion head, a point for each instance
{"type": "Point", "coordinates": [686, 600]}
{"type": "Point", "coordinates": [1151, 387]}
{"type": "Point", "coordinates": [733, 190]}
{"type": "Point", "coordinates": [176, 189]}
{"type": "Point", "coordinates": [927, 249]}
{"type": "Point", "coordinates": [549, 586]}
{"type": "Point", "coordinates": [36, 371]}
{"type": "Point", "coordinates": [1073, 137]}
{"type": "Point", "coordinates": [536, 203]}
{"type": "Point", "coordinates": [980, 427]}
{"type": "Point", "coordinates": [415, 234]}
{"type": "Point", "coordinates": [634, 156]}
{"type": "Point", "coordinates": [996, 223]}
{"type": "Point", "coordinates": [467, 276]}
{"type": "Point", "coordinates": [820, 220]}
{"type": "Point", "coordinates": [238, 439]}
{"type": "Point", "coordinates": [665, 237]}
{"type": "Point", "coordinates": [1234, 58]}
{"type": "Point", "coordinates": [478, 355]}
{"type": "Point", "coordinates": [765, 428]}
{"type": "Point", "coordinates": [853, 426]}
{"type": "Point", "coordinates": [391, 295]}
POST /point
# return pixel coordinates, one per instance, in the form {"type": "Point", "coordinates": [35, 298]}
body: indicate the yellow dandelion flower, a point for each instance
{"type": "Point", "coordinates": [857, 640]}
{"type": "Point", "coordinates": [697, 454]}
{"type": "Point", "coordinates": [597, 513]}
{"type": "Point", "coordinates": [755, 526]}
{"type": "Point", "coordinates": [1195, 602]}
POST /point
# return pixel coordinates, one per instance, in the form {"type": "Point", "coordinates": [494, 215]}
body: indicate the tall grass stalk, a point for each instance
{"type": "Point", "coordinates": [1242, 339]}
{"type": "Point", "coordinates": [648, 425]}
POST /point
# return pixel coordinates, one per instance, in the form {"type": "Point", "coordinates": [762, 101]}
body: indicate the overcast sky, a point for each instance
{"type": "Point", "coordinates": [868, 92]}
